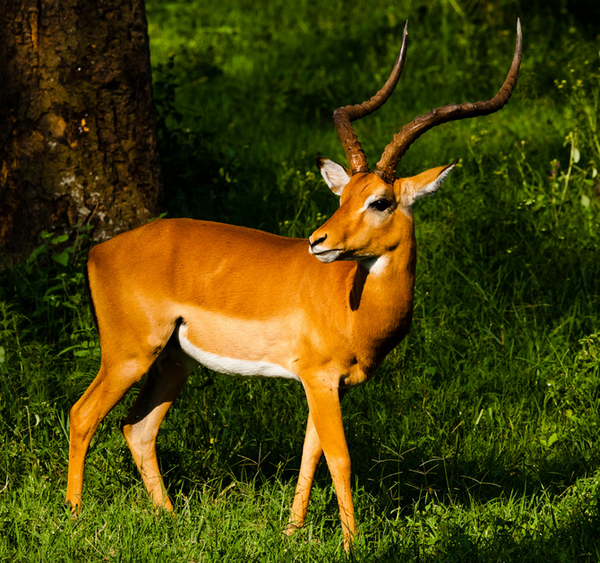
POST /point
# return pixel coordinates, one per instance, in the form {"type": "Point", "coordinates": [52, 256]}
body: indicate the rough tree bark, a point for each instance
{"type": "Point", "coordinates": [77, 130]}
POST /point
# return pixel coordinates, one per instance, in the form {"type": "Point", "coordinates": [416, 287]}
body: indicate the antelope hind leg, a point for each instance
{"type": "Point", "coordinates": [140, 428]}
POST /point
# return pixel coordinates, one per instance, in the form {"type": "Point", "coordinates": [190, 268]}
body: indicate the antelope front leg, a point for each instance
{"type": "Point", "coordinates": [326, 416]}
{"type": "Point", "coordinates": [311, 454]}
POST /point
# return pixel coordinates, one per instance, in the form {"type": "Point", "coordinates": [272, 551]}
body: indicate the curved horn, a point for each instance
{"type": "Point", "coordinates": [393, 153]}
{"type": "Point", "coordinates": [342, 117]}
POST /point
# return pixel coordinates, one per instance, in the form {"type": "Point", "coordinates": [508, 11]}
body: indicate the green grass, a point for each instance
{"type": "Point", "coordinates": [478, 439]}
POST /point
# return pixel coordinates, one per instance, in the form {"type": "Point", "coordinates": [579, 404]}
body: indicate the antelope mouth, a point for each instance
{"type": "Point", "coordinates": [325, 256]}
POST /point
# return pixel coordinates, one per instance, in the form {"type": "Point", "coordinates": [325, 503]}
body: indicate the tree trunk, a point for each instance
{"type": "Point", "coordinates": [77, 128]}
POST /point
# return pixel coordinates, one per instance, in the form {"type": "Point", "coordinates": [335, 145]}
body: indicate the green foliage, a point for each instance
{"type": "Point", "coordinates": [49, 290]}
{"type": "Point", "coordinates": [195, 179]}
{"type": "Point", "coordinates": [478, 440]}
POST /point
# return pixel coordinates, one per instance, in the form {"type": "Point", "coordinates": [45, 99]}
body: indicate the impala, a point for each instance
{"type": "Point", "coordinates": [325, 311]}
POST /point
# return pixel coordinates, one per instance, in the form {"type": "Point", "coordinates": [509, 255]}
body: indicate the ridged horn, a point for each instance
{"type": "Point", "coordinates": [343, 116]}
{"type": "Point", "coordinates": [393, 153]}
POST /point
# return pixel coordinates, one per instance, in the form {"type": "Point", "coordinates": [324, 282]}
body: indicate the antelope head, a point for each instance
{"type": "Point", "coordinates": [375, 213]}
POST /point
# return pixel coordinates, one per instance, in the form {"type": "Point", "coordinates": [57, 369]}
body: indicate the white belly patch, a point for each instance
{"type": "Point", "coordinates": [232, 366]}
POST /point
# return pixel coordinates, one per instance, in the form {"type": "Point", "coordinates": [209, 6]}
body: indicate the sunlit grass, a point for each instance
{"type": "Point", "coordinates": [478, 440]}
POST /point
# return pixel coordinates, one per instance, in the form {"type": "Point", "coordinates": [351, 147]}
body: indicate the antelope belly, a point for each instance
{"type": "Point", "coordinates": [231, 366]}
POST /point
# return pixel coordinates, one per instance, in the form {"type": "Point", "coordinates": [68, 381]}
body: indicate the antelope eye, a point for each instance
{"type": "Point", "coordinates": [381, 204]}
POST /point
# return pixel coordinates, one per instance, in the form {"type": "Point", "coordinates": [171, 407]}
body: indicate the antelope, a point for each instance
{"type": "Point", "coordinates": [325, 311]}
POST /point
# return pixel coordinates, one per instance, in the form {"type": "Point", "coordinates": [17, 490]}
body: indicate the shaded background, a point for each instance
{"type": "Point", "coordinates": [478, 438]}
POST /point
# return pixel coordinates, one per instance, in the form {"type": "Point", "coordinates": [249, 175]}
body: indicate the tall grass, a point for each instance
{"type": "Point", "coordinates": [478, 438]}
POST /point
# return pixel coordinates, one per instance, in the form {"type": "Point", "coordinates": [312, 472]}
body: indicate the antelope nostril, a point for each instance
{"type": "Point", "coordinates": [318, 241]}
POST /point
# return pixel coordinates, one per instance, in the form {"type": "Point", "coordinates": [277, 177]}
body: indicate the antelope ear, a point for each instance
{"type": "Point", "coordinates": [335, 175]}
{"type": "Point", "coordinates": [426, 183]}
